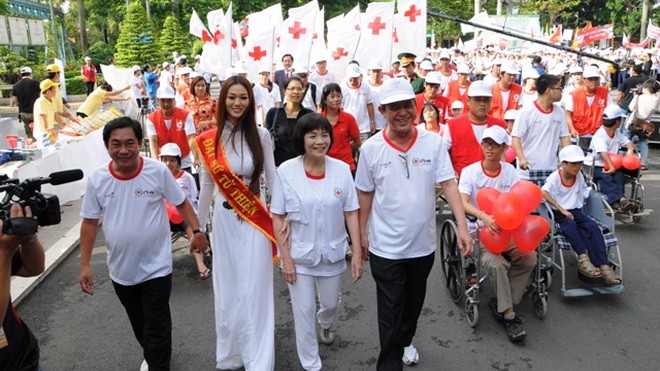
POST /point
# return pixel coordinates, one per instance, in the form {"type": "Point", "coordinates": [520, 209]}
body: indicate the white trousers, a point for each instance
{"type": "Point", "coordinates": [303, 300]}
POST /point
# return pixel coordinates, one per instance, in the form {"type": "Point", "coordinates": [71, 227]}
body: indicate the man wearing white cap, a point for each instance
{"type": "Point", "coordinates": [457, 89]}
{"type": "Point", "coordinates": [321, 77]}
{"type": "Point", "coordinates": [494, 75]}
{"type": "Point", "coordinates": [444, 68]}
{"type": "Point", "coordinates": [200, 70]}
{"type": "Point", "coordinates": [457, 108]}
{"type": "Point", "coordinates": [375, 82]}
{"type": "Point", "coordinates": [539, 130]}
{"type": "Point", "coordinates": [165, 77]}
{"type": "Point", "coordinates": [509, 275]}
{"type": "Point", "coordinates": [183, 85]}
{"type": "Point", "coordinates": [506, 93]}
{"type": "Point", "coordinates": [88, 72]}
{"type": "Point", "coordinates": [425, 67]}
{"type": "Point", "coordinates": [575, 80]}
{"type": "Point", "coordinates": [432, 84]}
{"type": "Point", "coordinates": [465, 132]}
{"type": "Point", "coordinates": [24, 93]}
{"type": "Point", "coordinates": [171, 124]}
{"type": "Point", "coordinates": [584, 110]}
{"type": "Point", "coordinates": [398, 228]}
{"type": "Point", "coordinates": [529, 93]}
{"type": "Point", "coordinates": [268, 90]}
{"type": "Point", "coordinates": [358, 101]}
{"type": "Point", "coordinates": [137, 85]}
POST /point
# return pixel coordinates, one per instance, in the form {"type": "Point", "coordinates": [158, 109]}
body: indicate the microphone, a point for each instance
{"type": "Point", "coordinates": [62, 177]}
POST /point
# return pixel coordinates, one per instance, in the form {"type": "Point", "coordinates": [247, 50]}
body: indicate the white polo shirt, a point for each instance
{"type": "Point", "coordinates": [568, 196]}
{"type": "Point", "coordinates": [402, 219]}
{"type": "Point", "coordinates": [135, 225]}
{"type": "Point", "coordinates": [186, 182]}
{"type": "Point", "coordinates": [355, 102]}
{"type": "Point", "coordinates": [602, 142]}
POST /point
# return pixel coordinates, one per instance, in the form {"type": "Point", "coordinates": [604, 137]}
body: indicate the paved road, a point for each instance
{"type": "Point", "coordinates": [79, 332]}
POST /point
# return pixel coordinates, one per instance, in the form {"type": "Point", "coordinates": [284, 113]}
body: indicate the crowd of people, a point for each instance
{"type": "Point", "coordinates": [311, 170]}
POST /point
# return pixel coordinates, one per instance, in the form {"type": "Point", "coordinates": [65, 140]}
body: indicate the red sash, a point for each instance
{"type": "Point", "coordinates": [247, 205]}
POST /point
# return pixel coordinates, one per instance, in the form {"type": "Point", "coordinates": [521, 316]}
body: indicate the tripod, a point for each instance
{"type": "Point", "coordinates": [145, 109]}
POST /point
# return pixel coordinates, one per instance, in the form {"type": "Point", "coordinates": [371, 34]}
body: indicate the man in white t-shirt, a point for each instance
{"type": "Point", "coordinates": [165, 77]}
{"type": "Point", "coordinates": [358, 101]}
{"type": "Point", "coordinates": [539, 130]}
{"type": "Point", "coordinates": [375, 83]}
{"type": "Point", "coordinates": [321, 77]}
{"type": "Point", "coordinates": [138, 85]}
{"type": "Point", "coordinates": [128, 194]}
{"type": "Point", "coordinates": [398, 227]}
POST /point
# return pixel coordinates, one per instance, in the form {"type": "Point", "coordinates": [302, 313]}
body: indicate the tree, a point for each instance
{"type": "Point", "coordinates": [173, 38]}
{"type": "Point", "coordinates": [82, 25]}
{"type": "Point", "coordinates": [550, 11]}
{"type": "Point", "coordinates": [136, 43]}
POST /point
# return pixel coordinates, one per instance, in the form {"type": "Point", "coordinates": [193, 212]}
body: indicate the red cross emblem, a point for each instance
{"type": "Point", "coordinates": [257, 53]}
{"type": "Point", "coordinates": [376, 26]}
{"type": "Point", "coordinates": [217, 36]}
{"type": "Point", "coordinates": [412, 13]}
{"type": "Point", "coordinates": [395, 36]}
{"type": "Point", "coordinates": [296, 30]}
{"type": "Point", "coordinates": [234, 44]}
{"type": "Point", "coordinates": [206, 36]}
{"type": "Point", "coordinates": [337, 54]}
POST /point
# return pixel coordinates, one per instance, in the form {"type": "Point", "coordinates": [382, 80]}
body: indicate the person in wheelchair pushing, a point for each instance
{"type": "Point", "coordinates": [566, 191]}
{"type": "Point", "coordinates": [608, 139]}
{"type": "Point", "coordinates": [509, 271]}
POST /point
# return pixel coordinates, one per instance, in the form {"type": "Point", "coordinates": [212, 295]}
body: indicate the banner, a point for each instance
{"type": "Point", "coordinates": [592, 34]}
{"type": "Point", "coordinates": [628, 45]}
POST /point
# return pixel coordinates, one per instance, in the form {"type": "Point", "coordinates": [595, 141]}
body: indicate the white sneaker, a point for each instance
{"type": "Point", "coordinates": [410, 355]}
{"type": "Point", "coordinates": [144, 366]}
{"type": "Point", "coordinates": [326, 336]}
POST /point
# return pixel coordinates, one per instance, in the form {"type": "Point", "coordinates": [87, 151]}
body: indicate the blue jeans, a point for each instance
{"type": "Point", "coordinates": [610, 184]}
{"type": "Point", "coordinates": [584, 235]}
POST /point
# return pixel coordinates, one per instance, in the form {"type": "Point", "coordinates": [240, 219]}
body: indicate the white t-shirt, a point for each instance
{"type": "Point", "coordinates": [527, 98]}
{"type": "Point", "coordinates": [355, 102]}
{"type": "Point", "coordinates": [322, 80]}
{"type": "Point", "coordinates": [381, 122]}
{"type": "Point", "coordinates": [269, 99]}
{"type": "Point", "coordinates": [402, 219]}
{"type": "Point", "coordinates": [135, 225]}
{"type": "Point", "coordinates": [189, 127]}
{"type": "Point", "coordinates": [473, 179]}
{"type": "Point", "coordinates": [444, 79]}
{"type": "Point", "coordinates": [186, 182]}
{"type": "Point", "coordinates": [490, 79]}
{"type": "Point", "coordinates": [603, 142]}
{"type": "Point", "coordinates": [137, 84]}
{"type": "Point", "coordinates": [540, 134]}
{"type": "Point", "coordinates": [567, 196]}
{"type": "Point", "coordinates": [308, 101]}
{"type": "Point", "coordinates": [165, 78]}
{"type": "Point", "coordinates": [315, 209]}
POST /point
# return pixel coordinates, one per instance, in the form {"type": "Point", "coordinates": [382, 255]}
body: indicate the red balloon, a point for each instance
{"type": "Point", "coordinates": [617, 161]}
{"type": "Point", "coordinates": [486, 198]}
{"type": "Point", "coordinates": [495, 242]}
{"type": "Point", "coordinates": [173, 214]}
{"type": "Point", "coordinates": [529, 194]}
{"type": "Point", "coordinates": [530, 233]}
{"type": "Point", "coordinates": [508, 211]}
{"type": "Point", "coordinates": [509, 155]}
{"type": "Point", "coordinates": [631, 162]}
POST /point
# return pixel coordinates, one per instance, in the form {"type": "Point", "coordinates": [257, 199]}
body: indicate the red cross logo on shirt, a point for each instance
{"type": "Point", "coordinates": [296, 30]}
{"type": "Point", "coordinates": [376, 26]}
{"type": "Point", "coordinates": [337, 54]}
{"type": "Point", "coordinates": [257, 53]}
{"type": "Point", "coordinates": [412, 13]}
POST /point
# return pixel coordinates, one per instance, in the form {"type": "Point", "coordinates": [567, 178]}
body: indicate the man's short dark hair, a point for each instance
{"type": "Point", "coordinates": [307, 123]}
{"type": "Point", "coordinates": [637, 69]}
{"type": "Point", "coordinates": [287, 55]}
{"type": "Point", "coordinates": [26, 74]}
{"type": "Point", "coordinates": [105, 86]}
{"type": "Point", "coordinates": [536, 59]}
{"type": "Point", "coordinates": [545, 81]}
{"type": "Point", "coordinates": [120, 123]}
{"type": "Point", "coordinates": [50, 75]}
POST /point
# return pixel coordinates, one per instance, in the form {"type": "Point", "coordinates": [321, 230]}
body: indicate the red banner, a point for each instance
{"type": "Point", "coordinates": [593, 34]}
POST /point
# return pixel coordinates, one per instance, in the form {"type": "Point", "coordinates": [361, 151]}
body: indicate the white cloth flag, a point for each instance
{"type": "Point", "coordinates": [198, 29]}
{"type": "Point", "coordinates": [258, 51]}
{"type": "Point", "coordinates": [399, 45]}
{"type": "Point", "coordinates": [318, 40]}
{"type": "Point", "coordinates": [376, 34]}
{"type": "Point", "coordinates": [412, 26]}
{"type": "Point", "coordinates": [297, 32]}
{"type": "Point", "coordinates": [269, 17]}
{"type": "Point", "coordinates": [343, 39]}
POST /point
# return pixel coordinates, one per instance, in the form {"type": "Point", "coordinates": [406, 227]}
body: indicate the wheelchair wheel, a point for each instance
{"type": "Point", "coordinates": [540, 304]}
{"type": "Point", "coordinates": [452, 261]}
{"type": "Point", "coordinates": [547, 276]}
{"type": "Point", "coordinates": [471, 312]}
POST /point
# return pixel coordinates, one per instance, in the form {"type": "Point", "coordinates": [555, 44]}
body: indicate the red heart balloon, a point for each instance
{"type": "Point", "coordinates": [495, 242]}
{"type": "Point", "coordinates": [529, 194]}
{"type": "Point", "coordinates": [508, 211]}
{"type": "Point", "coordinates": [617, 161]}
{"type": "Point", "coordinates": [631, 162]}
{"type": "Point", "coordinates": [486, 198]}
{"type": "Point", "coordinates": [173, 213]}
{"type": "Point", "coordinates": [509, 155]}
{"type": "Point", "coordinates": [530, 233]}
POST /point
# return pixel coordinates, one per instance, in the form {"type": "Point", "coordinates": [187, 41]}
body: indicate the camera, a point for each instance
{"type": "Point", "coordinates": [46, 207]}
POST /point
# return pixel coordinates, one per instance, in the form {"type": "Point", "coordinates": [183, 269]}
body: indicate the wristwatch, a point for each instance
{"type": "Point", "coordinates": [195, 231]}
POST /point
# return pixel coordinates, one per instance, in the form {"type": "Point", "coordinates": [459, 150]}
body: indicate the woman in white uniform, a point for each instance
{"type": "Point", "coordinates": [316, 195]}
{"type": "Point", "coordinates": [242, 255]}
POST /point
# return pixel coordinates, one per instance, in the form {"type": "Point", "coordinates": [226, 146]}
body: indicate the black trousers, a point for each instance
{"type": "Point", "coordinates": [90, 86]}
{"type": "Point", "coordinates": [400, 290]}
{"type": "Point", "coordinates": [148, 307]}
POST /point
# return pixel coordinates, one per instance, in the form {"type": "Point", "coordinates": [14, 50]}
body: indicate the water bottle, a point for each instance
{"type": "Point", "coordinates": [19, 143]}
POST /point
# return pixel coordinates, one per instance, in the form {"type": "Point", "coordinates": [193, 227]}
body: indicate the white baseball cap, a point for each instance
{"type": "Point", "coordinates": [575, 69]}
{"type": "Point", "coordinates": [590, 71]}
{"type": "Point", "coordinates": [426, 65]}
{"type": "Point", "coordinates": [184, 71]}
{"type": "Point", "coordinates": [170, 149]}
{"type": "Point", "coordinates": [166, 64]}
{"type": "Point", "coordinates": [165, 92]}
{"type": "Point", "coordinates": [353, 70]}
{"type": "Point", "coordinates": [88, 59]}
{"type": "Point", "coordinates": [571, 153]}
{"type": "Point", "coordinates": [433, 78]}
{"type": "Point", "coordinates": [396, 90]}
{"type": "Point", "coordinates": [374, 65]}
{"type": "Point", "coordinates": [480, 89]}
{"type": "Point", "coordinates": [463, 68]}
{"type": "Point", "coordinates": [496, 62]}
{"type": "Point", "coordinates": [510, 68]}
{"type": "Point", "coordinates": [136, 68]}
{"type": "Point", "coordinates": [613, 111]}
{"type": "Point", "coordinates": [457, 105]}
{"type": "Point", "coordinates": [511, 114]}
{"type": "Point", "coordinates": [264, 68]}
{"type": "Point", "coordinates": [300, 68]}
{"type": "Point", "coordinates": [496, 133]}
{"type": "Point", "coordinates": [530, 73]}
{"type": "Point", "coordinates": [25, 70]}
{"type": "Point", "coordinates": [444, 55]}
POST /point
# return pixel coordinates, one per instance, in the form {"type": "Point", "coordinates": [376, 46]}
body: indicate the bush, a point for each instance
{"type": "Point", "coordinates": [71, 73]}
{"type": "Point", "coordinates": [101, 53]}
{"type": "Point", "coordinates": [75, 86]}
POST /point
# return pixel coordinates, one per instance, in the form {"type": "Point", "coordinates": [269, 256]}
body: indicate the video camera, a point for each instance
{"type": "Point", "coordinates": [46, 207]}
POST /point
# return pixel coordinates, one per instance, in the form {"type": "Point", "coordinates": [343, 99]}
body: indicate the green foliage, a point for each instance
{"type": "Point", "coordinates": [101, 53]}
{"type": "Point", "coordinates": [76, 85]}
{"type": "Point", "coordinates": [10, 65]}
{"type": "Point", "coordinates": [197, 47]}
{"type": "Point", "coordinates": [136, 43]}
{"type": "Point", "coordinates": [4, 7]}
{"type": "Point", "coordinates": [173, 38]}
{"type": "Point", "coordinates": [550, 11]}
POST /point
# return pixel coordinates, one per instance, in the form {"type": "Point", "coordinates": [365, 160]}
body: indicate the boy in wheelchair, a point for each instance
{"type": "Point", "coordinates": [170, 155]}
{"type": "Point", "coordinates": [509, 271]}
{"type": "Point", "coordinates": [608, 139]}
{"type": "Point", "coordinates": [566, 191]}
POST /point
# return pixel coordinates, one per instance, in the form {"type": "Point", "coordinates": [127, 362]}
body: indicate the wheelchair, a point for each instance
{"type": "Point", "coordinates": [457, 269]}
{"type": "Point", "coordinates": [553, 250]}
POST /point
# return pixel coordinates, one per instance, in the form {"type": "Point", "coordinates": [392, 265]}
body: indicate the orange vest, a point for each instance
{"type": "Point", "coordinates": [177, 131]}
{"type": "Point", "coordinates": [454, 94]}
{"type": "Point", "coordinates": [496, 108]}
{"type": "Point", "coordinates": [465, 149]}
{"type": "Point", "coordinates": [184, 91]}
{"type": "Point", "coordinates": [586, 120]}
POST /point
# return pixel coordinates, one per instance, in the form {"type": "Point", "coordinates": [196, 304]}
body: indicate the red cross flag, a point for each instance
{"type": "Point", "coordinates": [297, 33]}
{"type": "Point", "coordinates": [318, 40]}
{"type": "Point", "coordinates": [198, 29]}
{"type": "Point", "coordinates": [258, 51]}
{"type": "Point", "coordinates": [236, 43]}
{"type": "Point", "coordinates": [411, 25]}
{"type": "Point", "coordinates": [343, 39]}
{"type": "Point", "coordinates": [376, 34]}
{"type": "Point", "coordinates": [270, 17]}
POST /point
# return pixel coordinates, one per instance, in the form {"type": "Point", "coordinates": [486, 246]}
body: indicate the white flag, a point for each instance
{"type": "Point", "coordinates": [198, 29]}
{"type": "Point", "coordinates": [411, 26]}
{"type": "Point", "coordinates": [376, 34]}
{"type": "Point", "coordinates": [343, 37]}
{"type": "Point", "coordinates": [258, 51]}
{"type": "Point", "coordinates": [297, 33]}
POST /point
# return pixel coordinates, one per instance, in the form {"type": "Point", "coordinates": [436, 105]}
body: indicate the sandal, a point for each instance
{"type": "Point", "coordinates": [609, 277]}
{"type": "Point", "coordinates": [204, 275]}
{"type": "Point", "coordinates": [587, 269]}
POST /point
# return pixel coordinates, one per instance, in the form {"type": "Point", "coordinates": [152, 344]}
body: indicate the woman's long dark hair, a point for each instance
{"type": "Point", "coordinates": [247, 123]}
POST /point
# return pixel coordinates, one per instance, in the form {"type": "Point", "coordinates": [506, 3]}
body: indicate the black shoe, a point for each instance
{"type": "Point", "coordinates": [492, 304]}
{"type": "Point", "coordinates": [627, 205]}
{"type": "Point", "coordinates": [515, 329]}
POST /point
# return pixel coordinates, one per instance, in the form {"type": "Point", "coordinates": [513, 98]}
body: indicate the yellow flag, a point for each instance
{"type": "Point", "coordinates": [574, 44]}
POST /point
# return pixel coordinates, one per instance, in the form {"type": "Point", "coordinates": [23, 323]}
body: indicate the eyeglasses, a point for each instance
{"type": "Point", "coordinates": [294, 89]}
{"type": "Point", "coordinates": [489, 144]}
{"type": "Point", "coordinates": [404, 159]}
